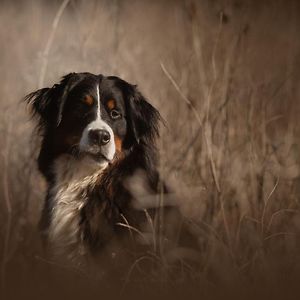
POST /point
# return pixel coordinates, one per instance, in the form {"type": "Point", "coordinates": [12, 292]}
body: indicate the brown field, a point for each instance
{"type": "Point", "coordinates": [224, 75]}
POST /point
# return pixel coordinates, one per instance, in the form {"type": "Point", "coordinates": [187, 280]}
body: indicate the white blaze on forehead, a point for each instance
{"type": "Point", "coordinates": [98, 101]}
{"type": "Point", "coordinates": [85, 145]}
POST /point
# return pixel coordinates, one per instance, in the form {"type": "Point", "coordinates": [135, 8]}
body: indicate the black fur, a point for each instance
{"type": "Point", "coordinates": [110, 201]}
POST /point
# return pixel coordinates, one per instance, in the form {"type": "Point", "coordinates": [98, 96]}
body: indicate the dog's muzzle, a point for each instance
{"type": "Point", "coordinates": [98, 141]}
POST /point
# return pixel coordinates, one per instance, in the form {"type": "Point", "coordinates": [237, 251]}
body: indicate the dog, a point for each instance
{"type": "Point", "coordinates": [98, 156]}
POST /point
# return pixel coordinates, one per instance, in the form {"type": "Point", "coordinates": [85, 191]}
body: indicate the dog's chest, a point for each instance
{"type": "Point", "coordinates": [69, 195]}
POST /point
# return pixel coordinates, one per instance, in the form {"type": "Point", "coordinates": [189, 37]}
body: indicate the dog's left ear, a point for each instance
{"type": "Point", "coordinates": [142, 117]}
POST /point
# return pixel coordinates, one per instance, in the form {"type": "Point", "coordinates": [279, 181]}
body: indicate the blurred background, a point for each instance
{"type": "Point", "coordinates": [223, 73]}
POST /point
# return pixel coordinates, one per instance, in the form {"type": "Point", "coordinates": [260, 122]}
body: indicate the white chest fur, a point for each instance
{"type": "Point", "coordinates": [72, 179]}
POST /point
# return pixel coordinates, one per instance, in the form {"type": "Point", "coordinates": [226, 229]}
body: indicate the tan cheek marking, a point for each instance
{"type": "Point", "coordinates": [111, 104]}
{"type": "Point", "coordinates": [118, 143]}
{"type": "Point", "coordinates": [89, 100]}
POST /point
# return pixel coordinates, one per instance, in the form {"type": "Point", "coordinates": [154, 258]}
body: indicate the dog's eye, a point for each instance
{"type": "Point", "coordinates": [115, 114]}
{"type": "Point", "coordinates": [88, 100]}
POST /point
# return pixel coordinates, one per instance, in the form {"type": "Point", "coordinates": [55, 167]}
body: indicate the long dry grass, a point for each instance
{"type": "Point", "coordinates": [224, 75]}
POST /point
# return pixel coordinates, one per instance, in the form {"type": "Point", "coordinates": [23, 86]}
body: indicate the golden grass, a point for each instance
{"type": "Point", "coordinates": [224, 76]}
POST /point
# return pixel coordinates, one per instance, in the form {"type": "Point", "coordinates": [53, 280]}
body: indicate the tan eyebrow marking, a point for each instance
{"type": "Point", "coordinates": [89, 100]}
{"type": "Point", "coordinates": [111, 104]}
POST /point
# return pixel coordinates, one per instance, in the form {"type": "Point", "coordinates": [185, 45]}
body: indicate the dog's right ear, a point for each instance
{"type": "Point", "coordinates": [47, 103]}
{"type": "Point", "coordinates": [41, 104]}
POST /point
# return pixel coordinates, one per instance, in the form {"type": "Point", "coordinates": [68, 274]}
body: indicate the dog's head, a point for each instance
{"type": "Point", "coordinates": [93, 115]}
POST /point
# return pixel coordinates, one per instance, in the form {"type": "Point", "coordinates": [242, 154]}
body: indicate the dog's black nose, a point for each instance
{"type": "Point", "coordinates": [99, 136]}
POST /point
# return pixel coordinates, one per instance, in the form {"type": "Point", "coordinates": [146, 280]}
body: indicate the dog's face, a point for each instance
{"type": "Point", "coordinates": [93, 119]}
{"type": "Point", "coordinates": [93, 115]}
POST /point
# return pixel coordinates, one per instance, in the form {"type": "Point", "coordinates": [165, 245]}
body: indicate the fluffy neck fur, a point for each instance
{"type": "Point", "coordinates": [85, 200]}
{"type": "Point", "coordinates": [72, 180]}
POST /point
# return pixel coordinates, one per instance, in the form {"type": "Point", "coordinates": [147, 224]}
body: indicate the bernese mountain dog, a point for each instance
{"type": "Point", "coordinates": [99, 159]}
